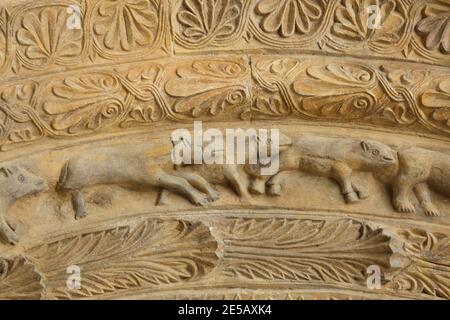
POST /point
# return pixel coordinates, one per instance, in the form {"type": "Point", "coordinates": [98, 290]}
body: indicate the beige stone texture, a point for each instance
{"type": "Point", "coordinates": [92, 90]}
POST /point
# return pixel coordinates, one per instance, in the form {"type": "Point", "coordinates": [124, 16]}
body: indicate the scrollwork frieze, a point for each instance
{"type": "Point", "coordinates": [382, 94]}
{"type": "Point", "coordinates": [76, 104]}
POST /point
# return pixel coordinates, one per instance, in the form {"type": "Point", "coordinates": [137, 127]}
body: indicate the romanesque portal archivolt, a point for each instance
{"type": "Point", "coordinates": [91, 90]}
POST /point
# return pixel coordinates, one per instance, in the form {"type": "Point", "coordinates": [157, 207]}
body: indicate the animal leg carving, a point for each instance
{"type": "Point", "coordinates": [423, 195]}
{"type": "Point", "coordinates": [402, 191]}
{"type": "Point", "coordinates": [78, 205]}
{"type": "Point", "coordinates": [257, 185]}
{"type": "Point", "coordinates": [162, 199]}
{"type": "Point", "coordinates": [200, 183]}
{"type": "Point", "coordinates": [180, 185]}
{"type": "Point", "coordinates": [274, 185]}
{"type": "Point", "coordinates": [343, 175]}
{"type": "Point", "coordinates": [6, 232]}
{"type": "Point", "coordinates": [360, 190]}
{"type": "Point", "coordinates": [239, 186]}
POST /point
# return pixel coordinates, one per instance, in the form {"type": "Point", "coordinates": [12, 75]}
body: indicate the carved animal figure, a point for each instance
{"type": "Point", "coordinates": [240, 177]}
{"type": "Point", "coordinates": [335, 158]}
{"type": "Point", "coordinates": [16, 182]}
{"type": "Point", "coordinates": [135, 166]}
{"type": "Point", "coordinates": [419, 170]}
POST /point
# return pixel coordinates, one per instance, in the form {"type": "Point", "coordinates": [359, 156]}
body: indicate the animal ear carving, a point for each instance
{"type": "Point", "coordinates": [365, 146]}
{"type": "Point", "coordinates": [6, 172]}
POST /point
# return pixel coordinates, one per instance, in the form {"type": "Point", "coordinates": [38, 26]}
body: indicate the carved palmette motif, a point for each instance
{"type": "Point", "coordinates": [218, 89]}
{"type": "Point", "coordinates": [327, 90]}
{"type": "Point", "coordinates": [411, 30]}
{"type": "Point", "coordinates": [84, 103]}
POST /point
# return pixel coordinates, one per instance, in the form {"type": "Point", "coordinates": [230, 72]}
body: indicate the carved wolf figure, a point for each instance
{"type": "Point", "coordinates": [239, 176]}
{"type": "Point", "coordinates": [419, 170]}
{"type": "Point", "coordinates": [133, 165]}
{"type": "Point", "coordinates": [335, 158]}
{"type": "Point", "coordinates": [17, 182]}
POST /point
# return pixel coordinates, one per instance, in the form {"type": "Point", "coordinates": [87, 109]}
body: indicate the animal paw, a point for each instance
{"type": "Point", "coordinates": [213, 195]}
{"type": "Point", "coordinates": [404, 206]}
{"type": "Point", "coordinates": [12, 225]}
{"type": "Point", "coordinates": [362, 194]}
{"type": "Point", "coordinates": [200, 199]}
{"type": "Point", "coordinates": [81, 214]}
{"type": "Point", "coordinates": [257, 187]}
{"type": "Point", "coordinates": [361, 191]}
{"type": "Point", "coordinates": [430, 209]}
{"type": "Point", "coordinates": [274, 190]}
{"type": "Point", "coordinates": [351, 197]}
{"type": "Point", "coordinates": [9, 235]}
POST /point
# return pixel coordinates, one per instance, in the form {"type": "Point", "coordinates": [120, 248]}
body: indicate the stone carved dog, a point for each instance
{"type": "Point", "coordinates": [239, 176]}
{"type": "Point", "coordinates": [16, 182]}
{"type": "Point", "coordinates": [335, 158]}
{"type": "Point", "coordinates": [419, 170]}
{"type": "Point", "coordinates": [129, 166]}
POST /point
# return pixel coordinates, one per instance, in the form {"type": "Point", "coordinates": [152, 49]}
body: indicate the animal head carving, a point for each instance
{"type": "Point", "coordinates": [284, 142]}
{"type": "Point", "coordinates": [17, 182]}
{"type": "Point", "coordinates": [377, 154]}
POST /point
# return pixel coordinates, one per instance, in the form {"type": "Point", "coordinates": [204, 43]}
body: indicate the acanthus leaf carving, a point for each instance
{"type": "Point", "coordinates": [207, 21]}
{"type": "Point", "coordinates": [436, 26]}
{"type": "Point", "coordinates": [337, 90]}
{"type": "Point", "coordinates": [429, 270]}
{"type": "Point", "coordinates": [302, 250]}
{"type": "Point", "coordinates": [289, 16]}
{"type": "Point", "coordinates": [126, 25]}
{"type": "Point", "coordinates": [45, 39]}
{"type": "Point", "coordinates": [151, 254]}
{"type": "Point", "coordinates": [88, 108]}
{"type": "Point", "coordinates": [439, 101]}
{"type": "Point", "coordinates": [3, 29]}
{"type": "Point", "coordinates": [19, 280]}
{"type": "Point", "coordinates": [209, 88]}
{"type": "Point", "coordinates": [353, 20]}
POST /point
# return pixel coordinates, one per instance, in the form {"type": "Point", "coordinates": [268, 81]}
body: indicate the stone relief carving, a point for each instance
{"type": "Point", "coordinates": [336, 159]}
{"type": "Point", "coordinates": [132, 166]}
{"type": "Point", "coordinates": [17, 182]}
{"type": "Point", "coordinates": [410, 30]}
{"type": "Point", "coordinates": [136, 96]}
{"type": "Point", "coordinates": [19, 279]}
{"type": "Point", "coordinates": [166, 254]}
{"type": "Point", "coordinates": [105, 30]}
{"type": "Point", "coordinates": [244, 179]}
{"type": "Point", "coordinates": [88, 89]}
{"type": "Point", "coordinates": [421, 169]}
{"type": "Point", "coordinates": [151, 254]}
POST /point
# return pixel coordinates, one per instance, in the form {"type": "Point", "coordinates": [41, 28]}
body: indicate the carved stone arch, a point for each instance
{"type": "Point", "coordinates": [93, 206]}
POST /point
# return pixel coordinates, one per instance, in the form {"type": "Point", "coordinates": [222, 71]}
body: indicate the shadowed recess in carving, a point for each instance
{"type": "Point", "coordinates": [152, 254]}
